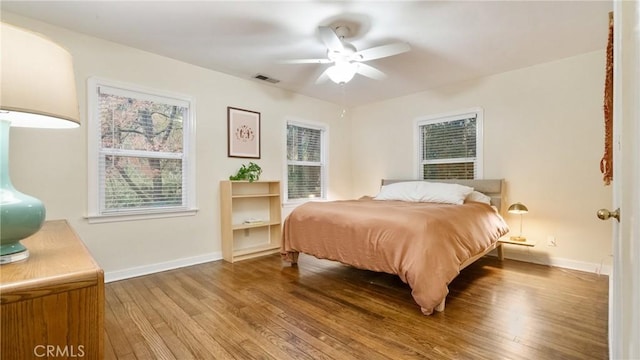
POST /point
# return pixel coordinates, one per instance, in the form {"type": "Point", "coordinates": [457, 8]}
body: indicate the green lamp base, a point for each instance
{"type": "Point", "coordinates": [21, 215]}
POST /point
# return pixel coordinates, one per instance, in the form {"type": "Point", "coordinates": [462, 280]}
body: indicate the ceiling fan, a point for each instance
{"type": "Point", "coordinates": [346, 59]}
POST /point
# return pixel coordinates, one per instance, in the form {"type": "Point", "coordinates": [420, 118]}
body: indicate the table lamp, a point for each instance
{"type": "Point", "coordinates": [37, 90]}
{"type": "Point", "coordinates": [518, 209]}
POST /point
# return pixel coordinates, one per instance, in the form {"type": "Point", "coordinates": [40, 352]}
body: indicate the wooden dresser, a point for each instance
{"type": "Point", "coordinates": [52, 304]}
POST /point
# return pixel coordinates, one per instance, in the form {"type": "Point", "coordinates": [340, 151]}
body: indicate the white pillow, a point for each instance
{"type": "Point", "coordinates": [478, 197]}
{"type": "Point", "coordinates": [422, 191]}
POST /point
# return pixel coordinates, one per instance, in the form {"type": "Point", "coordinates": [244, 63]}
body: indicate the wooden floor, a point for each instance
{"type": "Point", "coordinates": [262, 309]}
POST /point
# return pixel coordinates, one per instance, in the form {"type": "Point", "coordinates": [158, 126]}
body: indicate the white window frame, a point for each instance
{"type": "Point", "coordinates": [95, 213]}
{"type": "Point", "coordinates": [323, 160]}
{"type": "Point", "coordinates": [451, 116]}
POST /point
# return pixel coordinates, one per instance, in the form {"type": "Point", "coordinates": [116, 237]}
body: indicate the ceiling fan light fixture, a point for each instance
{"type": "Point", "coordinates": [347, 60]}
{"type": "Point", "coordinates": [342, 72]}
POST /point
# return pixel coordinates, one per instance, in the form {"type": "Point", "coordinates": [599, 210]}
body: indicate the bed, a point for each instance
{"type": "Point", "coordinates": [425, 243]}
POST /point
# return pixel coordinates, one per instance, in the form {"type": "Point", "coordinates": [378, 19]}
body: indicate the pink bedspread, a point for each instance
{"type": "Point", "coordinates": [423, 243]}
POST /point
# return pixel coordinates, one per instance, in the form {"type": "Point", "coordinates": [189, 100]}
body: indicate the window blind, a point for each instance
{"type": "Point", "coordinates": [448, 148]}
{"type": "Point", "coordinates": [305, 164]}
{"type": "Point", "coordinates": [141, 158]}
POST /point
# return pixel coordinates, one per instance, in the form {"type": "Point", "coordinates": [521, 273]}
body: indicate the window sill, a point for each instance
{"type": "Point", "coordinates": [295, 203]}
{"type": "Point", "coordinates": [133, 216]}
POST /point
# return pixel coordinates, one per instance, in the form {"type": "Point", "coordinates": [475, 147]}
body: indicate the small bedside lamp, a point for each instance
{"type": "Point", "coordinates": [518, 209]}
{"type": "Point", "coordinates": [38, 90]}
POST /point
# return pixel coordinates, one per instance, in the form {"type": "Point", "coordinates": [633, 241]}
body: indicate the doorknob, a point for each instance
{"type": "Point", "coordinates": [604, 214]}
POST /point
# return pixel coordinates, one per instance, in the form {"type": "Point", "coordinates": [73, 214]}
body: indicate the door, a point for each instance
{"type": "Point", "coordinates": [624, 288]}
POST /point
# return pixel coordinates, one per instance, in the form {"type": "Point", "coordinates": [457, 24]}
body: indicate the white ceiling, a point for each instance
{"type": "Point", "coordinates": [451, 41]}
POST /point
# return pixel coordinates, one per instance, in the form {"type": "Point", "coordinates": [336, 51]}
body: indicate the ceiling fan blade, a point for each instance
{"type": "Point", "coordinates": [330, 39]}
{"type": "Point", "coordinates": [370, 72]}
{"type": "Point", "coordinates": [306, 61]}
{"type": "Point", "coordinates": [381, 51]}
{"type": "Point", "coordinates": [323, 77]}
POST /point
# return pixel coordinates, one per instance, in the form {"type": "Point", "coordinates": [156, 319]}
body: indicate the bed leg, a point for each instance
{"type": "Point", "coordinates": [290, 256]}
{"type": "Point", "coordinates": [500, 252]}
{"type": "Point", "coordinates": [440, 307]}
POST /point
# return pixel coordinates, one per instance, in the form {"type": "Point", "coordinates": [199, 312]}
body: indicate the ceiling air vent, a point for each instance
{"type": "Point", "coordinates": [266, 78]}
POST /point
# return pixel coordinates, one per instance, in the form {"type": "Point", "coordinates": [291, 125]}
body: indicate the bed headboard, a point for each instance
{"type": "Point", "coordinates": [494, 188]}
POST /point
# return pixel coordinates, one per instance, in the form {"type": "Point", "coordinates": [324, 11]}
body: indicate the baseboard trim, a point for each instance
{"type": "Point", "coordinates": [600, 269]}
{"type": "Point", "coordinates": [110, 276]}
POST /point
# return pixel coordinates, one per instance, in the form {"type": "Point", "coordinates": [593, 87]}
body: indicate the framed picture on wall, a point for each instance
{"type": "Point", "coordinates": [243, 133]}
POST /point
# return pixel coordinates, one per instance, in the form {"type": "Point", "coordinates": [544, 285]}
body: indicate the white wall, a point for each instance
{"type": "Point", "coordinates": [543, 133]}
{"type": "Point", "coordinates": [52, 165]}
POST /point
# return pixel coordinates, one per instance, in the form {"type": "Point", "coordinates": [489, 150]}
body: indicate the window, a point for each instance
{"type": "Point", "coordinates": [140, 153]}
{"type": "Point", "coordinates": [450, 146]}
{"type": "Point", "coordinates": [306, 166]}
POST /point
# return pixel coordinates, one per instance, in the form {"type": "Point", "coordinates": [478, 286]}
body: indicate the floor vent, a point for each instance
{"type": "Point", "coordinates": [266, 78]}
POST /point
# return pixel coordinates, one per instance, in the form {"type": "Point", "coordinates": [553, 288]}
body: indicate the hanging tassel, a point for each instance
{"type": "Point", "coordinates": [606, 164]}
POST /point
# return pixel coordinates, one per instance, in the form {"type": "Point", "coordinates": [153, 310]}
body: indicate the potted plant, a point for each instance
{"type": "Point", "coordinates": [249, 172]}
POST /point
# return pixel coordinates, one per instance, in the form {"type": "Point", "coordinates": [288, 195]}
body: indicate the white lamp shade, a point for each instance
{"type": "Point", "coordinates": [38, 86]}
{"type": "Point", "coordinates": [342, 72]}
